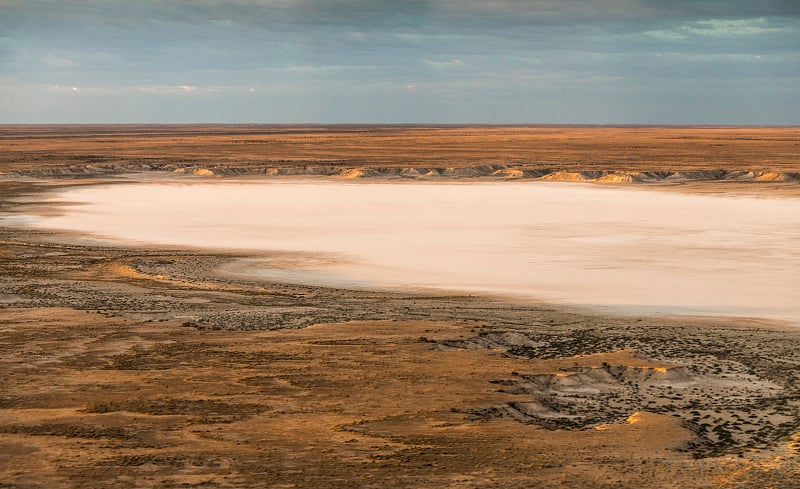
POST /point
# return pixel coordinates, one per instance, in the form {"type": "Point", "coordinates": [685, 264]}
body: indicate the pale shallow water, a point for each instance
{"type": "Point", "coordinates": [620, 249]}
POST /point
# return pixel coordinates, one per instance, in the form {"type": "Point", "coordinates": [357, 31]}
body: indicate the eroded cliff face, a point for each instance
{"type": "Point", "coordinates": [596, 153]}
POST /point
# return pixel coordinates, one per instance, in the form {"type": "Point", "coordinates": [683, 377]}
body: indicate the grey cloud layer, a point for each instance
{"type": "Point", "coordinates": [527, 61]}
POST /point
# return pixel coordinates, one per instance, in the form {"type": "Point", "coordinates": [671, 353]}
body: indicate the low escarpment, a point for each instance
{"type": "Point", "coordinates": [488, 172]}
{"type": "Point", "coordinates": [605, 154]}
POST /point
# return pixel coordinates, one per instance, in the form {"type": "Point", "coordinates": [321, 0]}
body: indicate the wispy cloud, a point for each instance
{"type": "Point", "coordinates": [155, 88]}
{"type": "Point", "coordinates": [444, 64]}
{"type": "Point", "coordinates": [722, 28]}
{"type": "Point", "coordinates": [734, 27]}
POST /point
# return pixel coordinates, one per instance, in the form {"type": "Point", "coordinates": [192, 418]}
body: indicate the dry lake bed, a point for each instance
{"type": "Point", "coordinates": [623, 249]}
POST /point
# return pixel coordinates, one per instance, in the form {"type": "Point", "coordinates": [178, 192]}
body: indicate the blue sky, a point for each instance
{"type": "Point", "coordinates": [426, 61]}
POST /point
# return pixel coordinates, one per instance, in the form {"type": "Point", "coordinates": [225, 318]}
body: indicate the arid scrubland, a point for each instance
{"type": "Point", "coordinates": [144, 366]}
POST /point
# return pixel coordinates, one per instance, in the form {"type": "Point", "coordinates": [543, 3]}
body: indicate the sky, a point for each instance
{"type": "Point", "coordinates": [400, 61]}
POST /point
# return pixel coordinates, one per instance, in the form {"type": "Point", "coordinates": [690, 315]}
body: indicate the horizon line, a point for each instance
{"type": "Point", "coordinates": [404, 124]}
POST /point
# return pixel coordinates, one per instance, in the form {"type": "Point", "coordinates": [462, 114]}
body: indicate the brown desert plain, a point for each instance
{"type": "Point", "coordinates": [140, 366]}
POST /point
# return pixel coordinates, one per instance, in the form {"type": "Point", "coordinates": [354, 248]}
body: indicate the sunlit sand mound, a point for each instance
{"type": "Point", "coordinates": [628, 177]}
{"type": "Point", "coordinates": [773, 177]}
{"type": "Point", "coordinates": [632, 177]}
{"type": "Point", "coordinates": [762, 176]}
{"type": "Point", "coordinates": [509, 173]}
{"type": "Point", "coordinates": [566, 176]}
{"type": "Point", "coordinates": [121, 270]}
{"type": "Point", "coordinates": [369, 173]}
{"type": "Point", "coordinates": [617, 178]}
{"type": "Point", "coordinates": [645, 418]}
{"type": "Point", "coordinates": [353, 173]}
{"type": "Point", "coordinates": [200, 172]}
{"type": "Point", "coordinates": [563, 176]}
